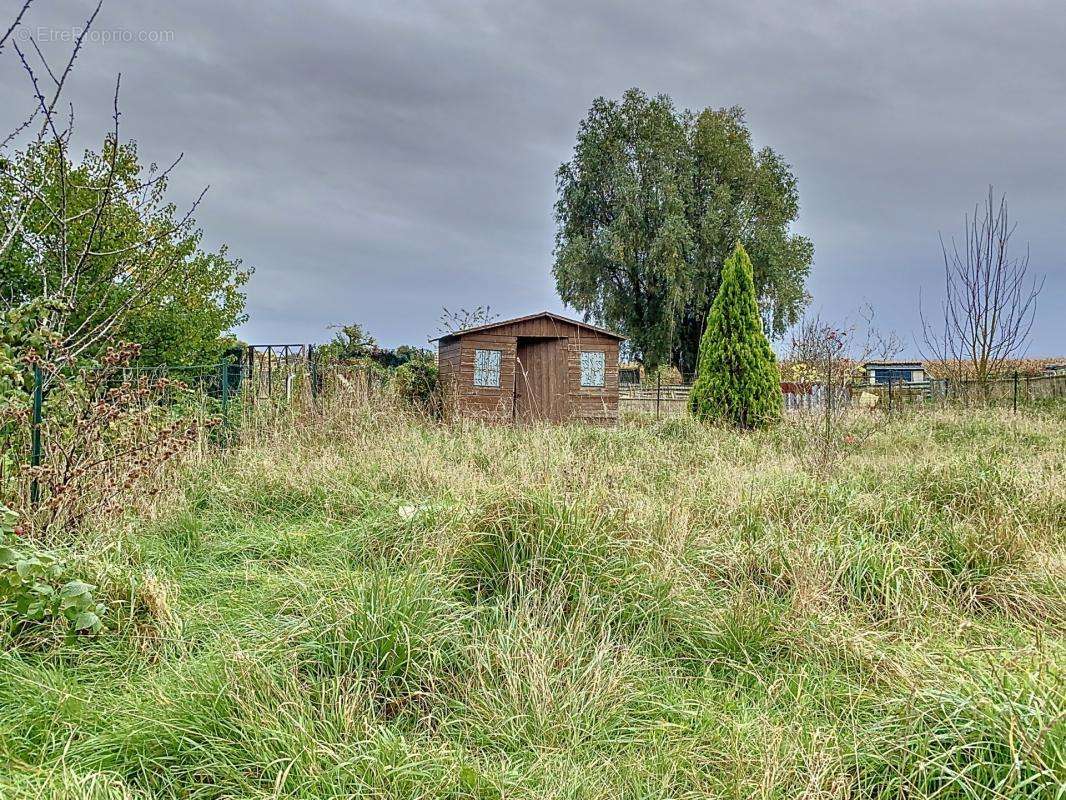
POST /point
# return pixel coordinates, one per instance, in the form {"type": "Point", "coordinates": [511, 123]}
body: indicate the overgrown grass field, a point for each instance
{"type": "Point", "coordinates": [378, 607]}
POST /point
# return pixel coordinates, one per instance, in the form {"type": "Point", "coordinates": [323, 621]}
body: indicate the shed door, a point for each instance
{"type": "Point", "coordinates": [540, 380]}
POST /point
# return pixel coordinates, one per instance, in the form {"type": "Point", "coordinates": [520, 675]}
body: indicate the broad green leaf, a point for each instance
{"type": "Point", "coordinates": [75, 588]}
{"type": "Point", "coordinates": [26, 567]}
{"type": "Point", "coordinates": [87, 621]}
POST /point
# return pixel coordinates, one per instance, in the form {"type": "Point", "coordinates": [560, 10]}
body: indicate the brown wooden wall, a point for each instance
{"type": "Point", "coordinates": [593, 403]}
{"type": "Point", "coordinates": [464, 399]}
{"type": "Point", "coordinates": [598, 405]}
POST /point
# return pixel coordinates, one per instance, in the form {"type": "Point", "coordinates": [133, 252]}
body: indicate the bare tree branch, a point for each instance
{"type": "Point", "coordinates": [69, 206]}
{"type": "Point", "coordinates": [452, 321]}
{"type": "Point", "coordinates": [18, 20]}
{"type": "Point", "coordinates": [989, 302]}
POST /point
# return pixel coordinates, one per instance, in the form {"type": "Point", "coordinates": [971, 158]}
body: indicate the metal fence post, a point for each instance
{"type": "Point", "coordinates": [658, 392]}
{"type": "Point", "coordinates": [1015, 391]}
{"type": "Point", "coordinates": [35, 434]}
{"type": "Point", "coordinates": [253, 389]}
{"type": "Point", "coordinates": [224, 371]}
{"type": "Point", "coordinates": [890, 395]}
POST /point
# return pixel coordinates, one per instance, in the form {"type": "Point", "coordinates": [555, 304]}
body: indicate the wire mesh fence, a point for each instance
{"type": "Point", "coordinates": [1014, 391]}
{"type": "Point", "coordinates": [94, 423]}
{"type": "Point", "coordinates": [109, 425]}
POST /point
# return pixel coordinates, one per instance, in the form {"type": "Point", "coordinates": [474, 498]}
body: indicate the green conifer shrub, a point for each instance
{"type": "Point", "coordinates": [737, 377]}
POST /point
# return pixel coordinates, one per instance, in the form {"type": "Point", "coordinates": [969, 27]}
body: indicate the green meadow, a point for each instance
{"type": "Point", "coordinates": [378, 607]}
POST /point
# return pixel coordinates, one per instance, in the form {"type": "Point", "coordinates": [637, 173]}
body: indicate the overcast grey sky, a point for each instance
{"type": "Point", "coordinates": [374, 161]}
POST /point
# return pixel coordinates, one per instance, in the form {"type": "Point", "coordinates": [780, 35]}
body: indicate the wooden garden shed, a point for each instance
{"type": "Point", "coordinates": [542, 367]}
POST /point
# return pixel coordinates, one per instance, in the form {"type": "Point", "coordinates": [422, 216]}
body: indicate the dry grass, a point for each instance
{"type": "Point", "coordinates": [370, 606]}
{"type": "Point", "coordinates": [1023, 366]}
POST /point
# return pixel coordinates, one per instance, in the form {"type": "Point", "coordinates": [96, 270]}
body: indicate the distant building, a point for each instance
{"type": "Point", "coordinates": [894, 372]}
{"type": "Point", "coordinates": [1055, 369]}
{"type": "Point", "coordinates": [629, 374]}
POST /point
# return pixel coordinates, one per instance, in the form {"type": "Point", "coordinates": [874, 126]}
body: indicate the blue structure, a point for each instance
{"type": "Point", "coordinates": [894, 372]}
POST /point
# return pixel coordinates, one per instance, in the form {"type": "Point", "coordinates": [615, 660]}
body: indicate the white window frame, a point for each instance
{"type": "Point", "coordinates": [601, 368]}
{"type": "Point", "coordinates": [485, 372]}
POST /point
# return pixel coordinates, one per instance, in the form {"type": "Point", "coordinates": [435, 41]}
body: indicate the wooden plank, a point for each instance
{"type": "Point", "coordinates": [541, 380]}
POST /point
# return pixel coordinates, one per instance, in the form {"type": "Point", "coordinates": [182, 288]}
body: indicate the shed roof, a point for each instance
{"type": "Point", "coordinates": [911, 364]}
{"type": "Point", "coordinates": [549, 314]}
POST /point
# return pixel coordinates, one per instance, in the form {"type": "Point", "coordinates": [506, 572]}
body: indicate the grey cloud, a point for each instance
{"type": "Point", "coordinates": [375, 161]}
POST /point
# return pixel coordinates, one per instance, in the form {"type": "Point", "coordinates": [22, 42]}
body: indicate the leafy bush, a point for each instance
{"type": "Point", "coordinates": [105, 432]}
{"type": "Point", "coordinates": [24, 337]}
{"type": "Point", "coordinates": [31, 587]}
{"type": "Point", "coordinates": [141, 273]}
{"type": "Point", "coordinates": [738, 380]}
{"type": "Point", "coordinates": [105, 427]}
{"type": "Point", "coordinates": [418, 382]}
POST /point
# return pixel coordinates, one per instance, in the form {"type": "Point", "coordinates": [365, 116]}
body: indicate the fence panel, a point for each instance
{"type": "Point", "coordinates": [661, 400]}
{"type": "Point", "coordinates": [1015, 391]}
{"type": "Point", "coordinates": [117, 410]}
{"type": "Point", "coordinates": [271, 386]}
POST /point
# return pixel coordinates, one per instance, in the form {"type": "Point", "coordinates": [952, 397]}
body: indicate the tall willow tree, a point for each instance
{"type": "Point", "coordinates": [649, 209]}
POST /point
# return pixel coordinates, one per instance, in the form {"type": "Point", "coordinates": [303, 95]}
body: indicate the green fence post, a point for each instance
{"type": "Point", "coordinates": [1015, 391]}
{"type": "Point", "coordinates": [224, 370]}
{"type": "Point", "coordinates": [35, 438]}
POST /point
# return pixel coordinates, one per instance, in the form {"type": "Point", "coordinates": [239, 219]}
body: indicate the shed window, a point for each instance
{"type": "Point", "coordinates": [893, 375]}
{"type": "Point", "coordinates": [487, 368]}
{"type": "Point", "coordinates": [593, 366]}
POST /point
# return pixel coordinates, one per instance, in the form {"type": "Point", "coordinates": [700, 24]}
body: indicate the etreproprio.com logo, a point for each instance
{"type": "Point", "coordinates": [43, 34]}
